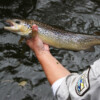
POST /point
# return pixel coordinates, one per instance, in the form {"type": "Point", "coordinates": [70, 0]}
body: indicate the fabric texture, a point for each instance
{"type": "Point", "coordinates": [57, 84]}
{"type": "Point", "coordinates": [67, 88]}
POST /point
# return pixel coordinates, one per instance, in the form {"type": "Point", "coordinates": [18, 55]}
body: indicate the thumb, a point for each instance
{"type": "Point", "coordinates": [35, 28]}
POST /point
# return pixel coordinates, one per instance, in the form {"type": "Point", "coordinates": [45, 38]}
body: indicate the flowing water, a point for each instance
{"type": "Point", "coordinates": [18, 63]}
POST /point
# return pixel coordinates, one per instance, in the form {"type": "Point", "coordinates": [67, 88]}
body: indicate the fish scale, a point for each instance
{"type": "Point", "coordinates": [53, 36]}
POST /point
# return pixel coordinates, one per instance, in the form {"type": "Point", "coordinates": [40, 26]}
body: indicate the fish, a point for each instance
{"type": "Point", "coordinates": [52, 36]}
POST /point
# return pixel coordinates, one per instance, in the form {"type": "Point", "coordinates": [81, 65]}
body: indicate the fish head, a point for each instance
{"type": "Point", "coordinates": [18, 26]}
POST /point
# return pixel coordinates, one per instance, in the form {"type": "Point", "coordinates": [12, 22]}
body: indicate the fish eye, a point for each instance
{"type": "Point", "coordinates": [18, 22]}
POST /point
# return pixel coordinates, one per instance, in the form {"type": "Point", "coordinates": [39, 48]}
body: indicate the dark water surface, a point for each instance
{"type": "Point", "coordinates": [19, 64]}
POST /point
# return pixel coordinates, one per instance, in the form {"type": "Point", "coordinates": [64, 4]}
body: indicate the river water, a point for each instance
{"type": "Point", "coordinates": [18, 63]}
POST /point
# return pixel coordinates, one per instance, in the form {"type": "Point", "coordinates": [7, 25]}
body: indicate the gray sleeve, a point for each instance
{"type": "Point", "coordinates": [63, 92]}
{"type": "Point", "coordinates": [73, 87]}
{"type": "Point", "coordinates": [95, 68]}
{"type": "Point", "coordinates": [81, 87]}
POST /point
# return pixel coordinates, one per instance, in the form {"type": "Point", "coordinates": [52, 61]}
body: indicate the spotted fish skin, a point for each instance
{"type": "Point", "coordinates": [59, 38]}
{"type": "Point", "coordinates": [67, 40]}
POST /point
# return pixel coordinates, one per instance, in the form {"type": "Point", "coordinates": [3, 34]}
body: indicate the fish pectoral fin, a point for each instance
{"type": "Point", "coordinates": [91, 49]}
{"type": "Point", "coordinates": [21, 39]}
{"type": "Point", "coordinates": [97, 33]}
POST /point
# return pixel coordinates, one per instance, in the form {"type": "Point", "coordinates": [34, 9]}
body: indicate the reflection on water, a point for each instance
{"type": "Point", "coordinates": [18, 63]}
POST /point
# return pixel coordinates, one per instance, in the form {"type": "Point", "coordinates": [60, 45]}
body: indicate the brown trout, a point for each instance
{"type": "Point", "coordinates": [53, 36]}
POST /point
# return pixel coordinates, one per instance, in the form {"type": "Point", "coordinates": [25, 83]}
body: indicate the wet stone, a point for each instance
{"type": "Point", "coordinates": [19, 64]}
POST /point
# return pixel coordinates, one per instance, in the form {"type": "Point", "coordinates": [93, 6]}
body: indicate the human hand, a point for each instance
{"type": "Point", "coordinates": [36, 43]}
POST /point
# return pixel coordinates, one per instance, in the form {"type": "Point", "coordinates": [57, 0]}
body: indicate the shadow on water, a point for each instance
{"type": "Point", "coordinates": [17, 62]}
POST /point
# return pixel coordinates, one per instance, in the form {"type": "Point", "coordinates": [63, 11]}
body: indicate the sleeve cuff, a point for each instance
{"type": "Point", "coordinates": [56, 85]}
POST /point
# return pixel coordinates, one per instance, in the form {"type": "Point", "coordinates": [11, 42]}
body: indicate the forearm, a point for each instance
{"type": "Point", "coordinates": [52, 68]}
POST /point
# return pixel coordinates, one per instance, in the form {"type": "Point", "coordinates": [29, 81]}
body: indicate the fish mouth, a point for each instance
{"type": "Point", "coordinates": [9, 24]}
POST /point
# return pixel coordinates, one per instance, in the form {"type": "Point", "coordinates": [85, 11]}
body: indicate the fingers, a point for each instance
{"type": "Point", "coordinates": [35, 43]}
{"type": "Point", "coordinates": [35, 28]}
{"type": "Point", "coordinates": [34, 31]}
{"type": "Point", "coordinates": [34, 36]}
